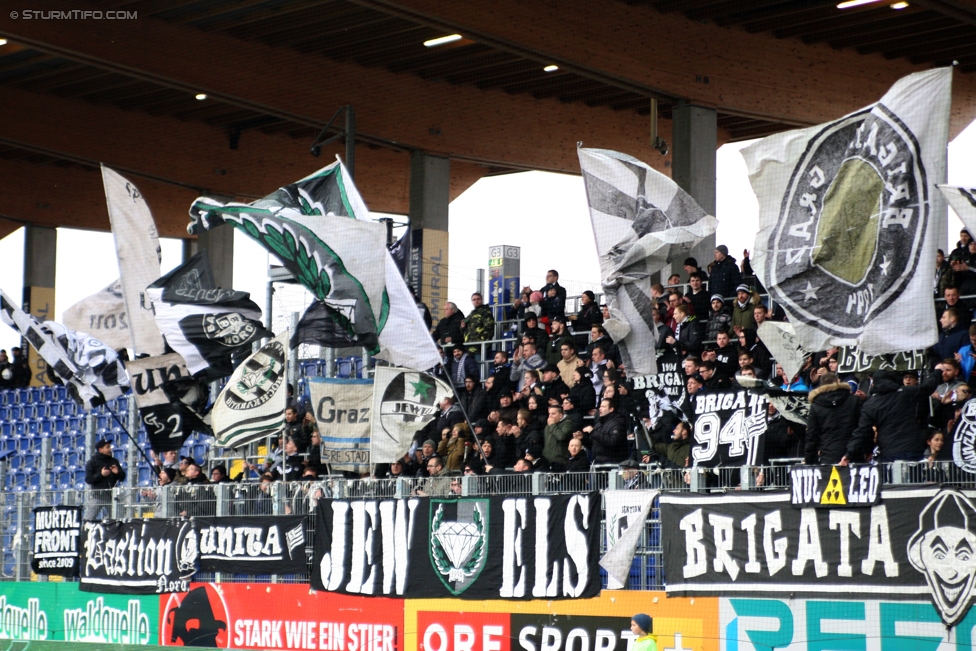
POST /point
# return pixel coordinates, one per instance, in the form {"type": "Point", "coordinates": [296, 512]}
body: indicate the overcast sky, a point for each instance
{"type": "Point", "coordinates": [545, 214]}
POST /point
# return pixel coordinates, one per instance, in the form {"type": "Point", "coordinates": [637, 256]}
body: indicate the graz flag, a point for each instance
{"type": "Point", "coordinates": [343, 262]}
{"type": "Point", "coordinates": [102, 315]}
{"type": "Point", "coordinates": [137, 248]}
{"type": "Point", "coordinates": [89, 369]}
{"type": "Point", "coordinates": [404, 401]}
{"type": "Point", "coordinates": [203, 323]}
{"type": "Point", "coordinates": [845, 210]}
{"type": "Point", "coordinates": [252, 404]}
{"type": "Point", "coordinates": [342, 412]}
{"type": "Point", "coordinates": [641, 221]}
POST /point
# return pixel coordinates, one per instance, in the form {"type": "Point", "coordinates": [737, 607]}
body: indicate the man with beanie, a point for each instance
{"type": "Point", "coordinates": [725, 273]}
{"type": "Point", "coordinates": [642, 626]}
{"type": "Point", "coordinates": [691, 266]}
{"type": "Point", "coordinates": [742, 307]}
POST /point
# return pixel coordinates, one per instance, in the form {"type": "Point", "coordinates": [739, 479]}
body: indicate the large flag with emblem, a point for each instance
{"type": "Point", "coordinates": [343, 262]}
{"type": "Point", "coordinates": [138, 252]}
{"type": "Point", "coordinates": [252, 403]}
{"type": "Point", "coordinates": [847, 214]}
{"type": "Point", "coordinates": [963, 201]}
{"type": "Point", "coordinates": [403, 402]}
{"type": "Point", "coordinates": [203, 323]}
{"type": "Point", "coordinates": [90, 370]}
{"type": "Point", "coordinates": [102, 315]}
{"type": "Point", "coordinates": [641, 221]}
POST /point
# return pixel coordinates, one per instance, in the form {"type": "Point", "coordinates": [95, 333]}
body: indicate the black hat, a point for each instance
{"type": "Point", "coordinates": [560, 318]}
{"type": "Point", "coordinates": [721, 248]}
{"type": "Point", "coordinates": [691, 262]}
{"type": "Point", "coordinates": [584, 371]}
{"type": "Point", "coordinates": [169, 472]}
{"type": "Point", "coordinates": [534, 450]}
{"type": "Point", "coordinates": [956, 256]}
{"type": "Point", "coordinates": [188, 459]}
{"type": "Point", "coordinates": [101, 443]}
{"type": "Point", "coordinates": [531, 316]}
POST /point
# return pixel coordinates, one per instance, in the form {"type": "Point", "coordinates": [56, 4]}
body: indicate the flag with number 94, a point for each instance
{"type": "Point", "coordinates": [729, 428]}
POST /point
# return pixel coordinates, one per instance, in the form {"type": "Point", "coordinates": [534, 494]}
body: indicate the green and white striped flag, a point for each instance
{"type": "Point", "coordinates": [252, 403]}
{"type": "Point", "coordinates": [343, 262]}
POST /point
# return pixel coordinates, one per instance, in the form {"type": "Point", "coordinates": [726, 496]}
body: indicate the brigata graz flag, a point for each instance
{"type": "Point", "coordinates": [252, 403]}
{"type": "Point", "coordinates": [203, 323]}
{"type": "Point", "coordinates": [253, 545]}
{"type": "Point", "coordinates": [914, 543]}
{"type": "Point", "coordinates": [90, 370]}
{"type": "Point", "coordinates": [845, 214]}
{"type": "Point", "coordinates": [729, 428]}
{"type": "Point", "coordinates": [57, 540]}
{"type": "Point", "coordinates": [138, 556]}
{"type": "Point", "coordinates": [543, 547]}
{"type": "Point", "coordinates": [343, 262]}
{"type": "Point", "coordinates": [404, 401]}
{"type": "Point", "coordinates": [641, 221]}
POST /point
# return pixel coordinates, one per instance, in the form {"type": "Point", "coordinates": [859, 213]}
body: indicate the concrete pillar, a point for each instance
{"type": "Point", "coordinates": [693, 168]}
{"type": "Point", "coordinates": [219, 244]}
{"type": "Point", "coordinates": [40, 256]}
{"type": "Point", "coordinates": [430, 195]}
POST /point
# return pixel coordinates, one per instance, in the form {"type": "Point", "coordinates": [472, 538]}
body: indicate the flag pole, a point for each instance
{"type": "Point", "coordinates": [115, 417]}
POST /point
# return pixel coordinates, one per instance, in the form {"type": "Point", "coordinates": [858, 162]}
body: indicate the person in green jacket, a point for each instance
{"type": "Point", "coordinates": [559, 429]}
{"type": "Point", "coordinates": [642, 626]}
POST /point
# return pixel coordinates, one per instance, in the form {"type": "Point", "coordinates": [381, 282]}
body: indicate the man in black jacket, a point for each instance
{"type": "Point", "coordinates": [102, 473]}
{"type": "Point", "coordinates": [834, 413]}
{"type": "Point", "coordinates": [725, 275]}
{"type": "Point", "coordinates": [473, 399]}
{"type": "Point", "coordinates": [448, 330]}
{"type": "Point", "coordinates": [891, 409]}
{"type": "Point", "coordinates": [609, 435]}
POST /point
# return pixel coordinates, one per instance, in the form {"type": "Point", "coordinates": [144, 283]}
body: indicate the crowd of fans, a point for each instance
{"type": "Point", "coordinates": [561, 401]}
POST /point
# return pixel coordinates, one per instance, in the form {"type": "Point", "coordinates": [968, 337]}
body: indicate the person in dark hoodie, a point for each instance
{"type": "Point", "coordinates": [954, 334]}
{"type": "Point", "coordinates": [609, 435]}
{"type": "Point", "coordinates": [891, 409]}
{"type": "Point", "coordinates": [834, 413]}
{"type": "Point", "coordinates": [725, 275]}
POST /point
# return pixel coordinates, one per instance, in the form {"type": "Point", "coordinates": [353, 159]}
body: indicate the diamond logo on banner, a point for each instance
{"type": "Point", "coordinates": [458, 547]}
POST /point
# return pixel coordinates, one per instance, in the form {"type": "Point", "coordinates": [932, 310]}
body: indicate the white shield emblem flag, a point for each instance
{"type": "Point", "coordinates": [403, 402]}
{"type": "Point", "coordinates": [342, 412]}
{"type": "Point", "coordinates": [102, 315]}
{"type": "Point", "coordinates": [90, 370]}
{"type": "Point", "coordinates": [845, 210]}
{"type": "Point", "coordinates": [252, 403]}
{"type": "Point", "coordinates": [626, 512]}
{"type": "Point", "coordinates": [641, 221]}
{"type": "Point", "coordinates": [343, 262]}
{"type": "Point", "coordinates": [963, 201]}
{"type": "Point", "coordinates": [137, 248]}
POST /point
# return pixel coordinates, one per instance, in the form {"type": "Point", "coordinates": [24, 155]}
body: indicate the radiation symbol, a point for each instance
{"type": "Point", "coordinates": [833, 495]}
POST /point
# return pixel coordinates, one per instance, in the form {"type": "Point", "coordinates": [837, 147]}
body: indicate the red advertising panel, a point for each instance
{"type": "Point", "coordinates": [279, 616]}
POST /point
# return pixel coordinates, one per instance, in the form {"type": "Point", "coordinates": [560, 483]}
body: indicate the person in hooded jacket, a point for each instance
{"type": "Point", "coordinates": [891, 409]}
{"type": "Point", "coordinates": [609, 435]}
{"type": "Point", "coordinates": [834, 413]}
{"type": "Point", "coordinates": [725, 275]}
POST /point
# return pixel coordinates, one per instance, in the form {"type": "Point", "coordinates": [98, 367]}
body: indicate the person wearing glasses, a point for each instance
{"type": "Point", "coordinates": [437, 484]}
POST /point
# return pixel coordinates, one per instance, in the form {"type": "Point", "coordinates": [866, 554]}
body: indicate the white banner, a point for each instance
{"type": "Point", "coordinates": [404, 401]}
{"type": "Point", "coordinates": [780, 339]}
{"type": "Point", "coordinates": [847, 214]}
{"type": "Point", "coordinates": [626, 512]}
{"type": "Point", "coordinates": [103, 316]}
{"type": "Point", "coordinates": [137, 248]}
{"type": "Point", "coordinates": [342, 413]}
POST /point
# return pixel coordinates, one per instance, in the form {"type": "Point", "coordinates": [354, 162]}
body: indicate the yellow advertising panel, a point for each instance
{"type": "Point", "coordinates": [598, 624]}
{"type": "Point", "coordinates": [433, 269]}
{"type": "Point", "coordinates": [40, 304]}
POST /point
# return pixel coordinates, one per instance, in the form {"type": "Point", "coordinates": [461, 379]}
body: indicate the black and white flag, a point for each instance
{"type": "Point", "coordinates": [404, 401]}
{"type": "Point", "coordinates": [168, 421]}
{"type": "Point", "coordinates": [848, 214]}
{"type": "Point", "coordinates": [253, 545]}
{"type": "Point", "coordinates": [641, 221]}
{"type": "Point", "coordinates": [730, 428]}
{"type": "Point", "coordinates": [90, 370]}
{"type": "Point", "coordinates": [201, 322]}
{"type": "Point", "coordinates": [138, 556]}
{"type": "Point", "coordinates": [57, 540]}
{"type": "Point", "coordinates": [102, 315]}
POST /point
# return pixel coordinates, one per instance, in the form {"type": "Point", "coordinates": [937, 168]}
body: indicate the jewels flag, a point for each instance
{"type": "Point", "coordinates": [641, 221]}
{"type": "Point", "coordinates": [845, 213]}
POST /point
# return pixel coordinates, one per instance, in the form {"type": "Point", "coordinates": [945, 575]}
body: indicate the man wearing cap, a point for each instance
{"type": "Point", "coordinates": [725, 273]}
{"type": "Point", "coordinates": [745, 301]}
{"type": "Point", "coordinates": [642, 626]}
{"type": "Point", "coordinates": [535, 334]}
{"type": "Point", "coordinates": [559, 337]}
{"type": "Point", "coordinates": [102, 473]}
{"type": "Point", "coordinates": [632, 477]}
{"type": "Point", "coordinates": [552, 388]}
{"type": "Point", "coordinates": [691, 266]}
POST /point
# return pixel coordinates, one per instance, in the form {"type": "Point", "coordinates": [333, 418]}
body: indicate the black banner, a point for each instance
{"type": "Point", "coordinates": [544, 547]}
{"type": "Point", "coordinates": [852, 360]}
{"type": "Point", "coordinates": [138, 556]}
{"type": "Point", "coordinates": [57, 534]}
{"type": "Point", "coordinates": [670, 380]}
{"type": "Point", "coordinates": [257, 545]}
{"type": "Point", "coordinates": [825, 487]}
{"type": "Point", "coordinates": [918, 542]}
{"type": "Point", "coordinates": [730, 428]}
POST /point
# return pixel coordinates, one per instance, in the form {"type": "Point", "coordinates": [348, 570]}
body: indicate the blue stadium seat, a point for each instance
{"type": "Point", "coordinates": [41, 410]}
{"type": "Point", "coordinates": [62, 393]}
{"type": "Point", "coordinates": [145, 475]}
{"type": "Point", "coordinates": [199, 452]}
{"type": "Point", "coordinates": [23, 396]}
{"type": "Point", "coordinates": [16, 412]}
{"type": "Point", "coordinates": [32, 425]}
{"type": "Point", "coordinates": [72, 458]}
{"type": "Point", "coordinates": [103, 421]}
{"type": "Point", "coordinates": [16, 461]}
{"type": "Point", "coordinates": [20, 478]}
{"type": "Point", "coordinates": [68, 407]}
{"type": "Point", "coordinates": [121, 404]}
{"type": "Point", "coordinates": [35, 480]}
{"type": "Point", "coordinates": [57, 458]}
{"type": "Point", "coordinates": [78, 477]}
{"type": "Point", "coordinates": [24, 442]}
{"type": "Point", "coordinates": [344, 367]}
{"type": "Point", "coordinates": [76, 422]}
{"type": "Point", "coordinates": [48, 394]}
{"type": "Point", "coordinates": [20, 427]}
{"type": "Point", "coordinates": [59, 424]}
{"type": "Point", "coordinates": [36, 394]}
{"type": "Point", "coordinates": [5, 412]}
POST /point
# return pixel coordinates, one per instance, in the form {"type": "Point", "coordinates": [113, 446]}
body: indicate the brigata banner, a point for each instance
{"type": "Point", "coordinates": [138, 556]}
{"type": "Point", "coordinates": [916, 543]}
{"type": "Point", "coordinates": [57, 534]}
{"type": "Point", "coordinates": [472, 548]}
{"type": "Point", "coordinates": [256, 545]}
{"type": "Point", "coordinates": [730, 428]}
{"type": "Point", "coordinates": [278, 616]}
